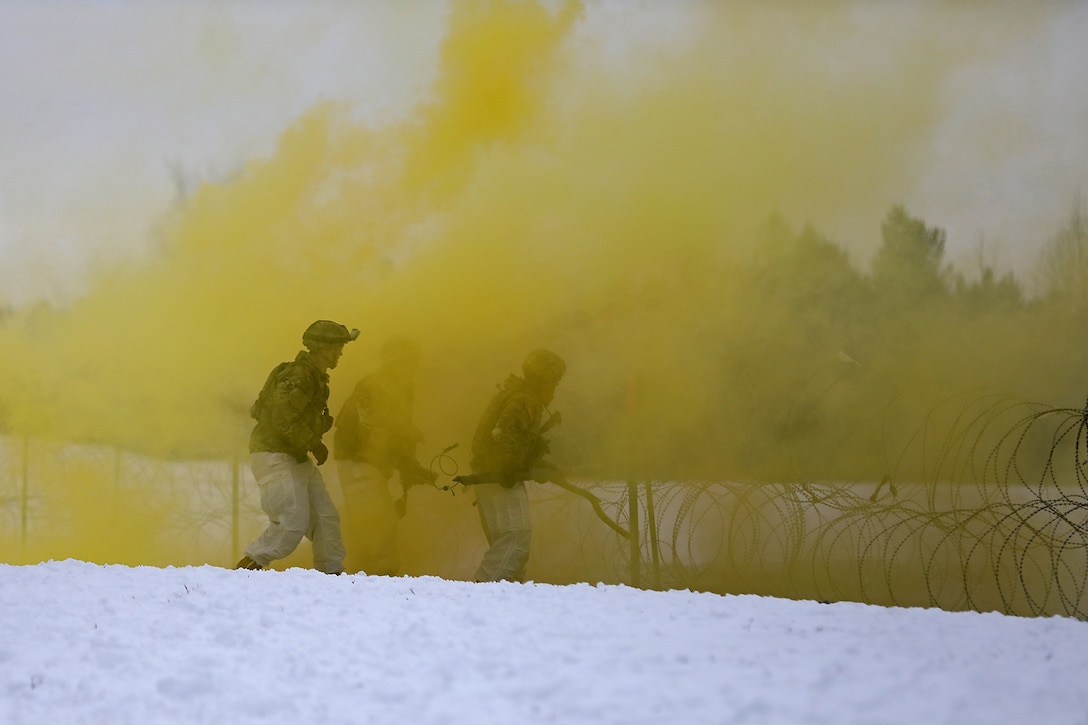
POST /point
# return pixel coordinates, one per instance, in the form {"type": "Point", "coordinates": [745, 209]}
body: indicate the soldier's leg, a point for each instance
{"type": "Point", "coordinates": [324, 528]}
{"type": "Point", "coordinates": [381, 519]}
{"type": "Point", "coordinates": [482, 507]}
{"type": "Point", "coordinates": [505, 512]}
{"type": "Point", "coordinates": [285, 501]}
{"type": "Point", "coordinates": [352, 527]}
{"type": "Point", "coordinates": [371, 528]}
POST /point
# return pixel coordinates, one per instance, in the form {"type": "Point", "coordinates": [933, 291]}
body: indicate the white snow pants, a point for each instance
{"type": "Point", "coordinates": [370, 519]}
{"type": "Point", "coordinates": [504, 513]}
{"type": "Point", "coordinates": [294, 497]}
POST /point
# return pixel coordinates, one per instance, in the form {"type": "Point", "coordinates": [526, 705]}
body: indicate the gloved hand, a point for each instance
{"type": "Point", "coordinates": [412, 473]}
{"type": "Point", "coordinates": [321, 453]}
{"type": "Point", "coordinates": [546, 472]}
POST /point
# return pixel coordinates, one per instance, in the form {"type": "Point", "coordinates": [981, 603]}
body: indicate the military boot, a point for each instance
{"type": "Point", "coordinates": [247, 563]}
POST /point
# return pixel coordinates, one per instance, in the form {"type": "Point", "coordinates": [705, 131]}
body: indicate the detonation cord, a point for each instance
{"type": "Point", "coordinates": [446, 466]}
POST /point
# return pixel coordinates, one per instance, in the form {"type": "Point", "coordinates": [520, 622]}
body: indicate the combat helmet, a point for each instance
{"type": "Point", "coordinates": [400, 350]}
{"type": "Point", "coordinates": [544, 365]}
{"type": "Point", "coordinates": [327, 332]}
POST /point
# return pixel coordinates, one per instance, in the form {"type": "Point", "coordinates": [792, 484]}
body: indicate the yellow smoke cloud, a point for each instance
{"type": "Point", "coordinates": [540, 196]}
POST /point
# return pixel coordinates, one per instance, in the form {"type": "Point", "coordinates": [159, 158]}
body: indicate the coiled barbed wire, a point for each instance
{"type": "Point", "coordinates": [994, 516]}
{"type": "Point", "coordinates": [984, 508]}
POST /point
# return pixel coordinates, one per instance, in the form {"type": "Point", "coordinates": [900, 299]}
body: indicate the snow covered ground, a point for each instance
{"type": "Point", "coordinates": [82, 643]}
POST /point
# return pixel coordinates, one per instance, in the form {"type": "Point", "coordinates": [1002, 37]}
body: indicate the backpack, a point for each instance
{"type": "Point", "coordinates": [256, 411]}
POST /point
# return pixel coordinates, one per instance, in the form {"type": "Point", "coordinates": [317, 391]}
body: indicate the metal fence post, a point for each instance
{"type": "Point", "coordinates": [632, 482]}
{"type": "Point", "coordinates": [234, 504]}
{"type": "Point", "coordinates": [651, 531]}
{"type": "Point", "coordinates": [26, 490]}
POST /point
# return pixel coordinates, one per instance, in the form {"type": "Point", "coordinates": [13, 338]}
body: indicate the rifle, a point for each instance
{"type": "Point", "coordinates": [544, 475]}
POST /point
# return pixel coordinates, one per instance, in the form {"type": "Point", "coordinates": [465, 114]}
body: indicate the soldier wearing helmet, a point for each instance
{"type": "Point", "coordinates": [292, 415]}
{"type": "Point", "coordinates": [376, 438]}
{"type": "Point", "coordinates": [509, 442]}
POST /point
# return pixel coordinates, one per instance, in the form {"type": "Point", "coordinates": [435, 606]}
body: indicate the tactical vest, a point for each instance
{"type": "Point", "coordinates": [299, 434]}
{"type": "Point", "coordinates": [487, 457]}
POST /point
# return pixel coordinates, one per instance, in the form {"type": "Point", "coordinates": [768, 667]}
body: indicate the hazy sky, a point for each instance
{"type": "Point", "coordinates": [105, 104]}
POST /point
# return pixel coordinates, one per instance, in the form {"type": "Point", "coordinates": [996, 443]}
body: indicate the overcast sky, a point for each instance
{"type": "Point", "coordinates": [103, 104]}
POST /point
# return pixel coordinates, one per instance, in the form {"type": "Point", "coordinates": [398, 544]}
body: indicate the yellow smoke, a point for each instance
{"type": "Point", "coordinates": [540, 196]}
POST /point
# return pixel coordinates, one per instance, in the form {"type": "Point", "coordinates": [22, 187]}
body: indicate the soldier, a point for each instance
{"type": "Point", "coordinates": [292, 415]}
{"type": "Point", "coordinates": [375, 437]}
{"type": "Point", "coordinates": [507, 445]}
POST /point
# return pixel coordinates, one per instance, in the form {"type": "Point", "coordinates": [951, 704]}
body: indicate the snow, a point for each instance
{"type": "Point", "coordinates": [84, 643]}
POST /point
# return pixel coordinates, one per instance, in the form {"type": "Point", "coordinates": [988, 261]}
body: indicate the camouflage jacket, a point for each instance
{"type": "Point", "coordinates": [375, 423]}
{"type": "Point", "coordinates": [508, 437]}
{"type": "Point", "coordinates": [292, 410]}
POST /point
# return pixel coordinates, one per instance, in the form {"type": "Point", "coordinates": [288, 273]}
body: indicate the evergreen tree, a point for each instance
{"type": "Point", "coordinates": [907, 267]}
{"type": "Point", "coordinates": [1063, 264]}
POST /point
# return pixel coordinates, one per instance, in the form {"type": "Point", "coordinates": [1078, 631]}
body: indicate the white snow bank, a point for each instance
{"type": "Point", "coordinates": [81, 643]}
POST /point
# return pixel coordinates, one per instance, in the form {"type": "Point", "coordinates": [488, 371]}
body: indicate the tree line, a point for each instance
{"type": "Point", "coordinates": [822, 370]}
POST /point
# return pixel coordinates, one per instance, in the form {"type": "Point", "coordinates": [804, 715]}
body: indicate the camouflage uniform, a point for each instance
{"type": "Point", "coordinates": [375, 438]}
{"type": "Point", "coordinates": [375, 424]}
{"type": "Point", "coordinates": [507, 441]}
{"type": "Point", "coordinates": [292, 415]}
{"type": "Point", "coordinates": [292, 411]}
